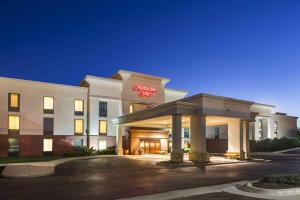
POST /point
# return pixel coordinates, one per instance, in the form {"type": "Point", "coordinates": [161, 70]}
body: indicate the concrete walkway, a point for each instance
{"type": "Point", "coordinates": [228, 188]}
{"type": "Point", "coordinates": [37, 169]}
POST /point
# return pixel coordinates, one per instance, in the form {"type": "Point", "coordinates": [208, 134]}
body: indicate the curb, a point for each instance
{"type": "Point", "coordinates": [248, 187]}
{"type": "Point", "coordinates": [39, 169]}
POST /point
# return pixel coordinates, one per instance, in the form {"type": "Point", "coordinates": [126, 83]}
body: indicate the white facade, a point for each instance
{"type": "Point", "coordinates": [31, 105]}
{"type": "Point", "coordinates": [124, 93]}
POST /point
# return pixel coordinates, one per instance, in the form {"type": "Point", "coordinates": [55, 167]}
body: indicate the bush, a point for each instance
{"type": "Point", "coordinates": [187, 150]}
{"type": "Point", "coordinates": [274, 145]}
{"type": "Point", "coordinates": [289, 179]}
{"type": "Point", "coordinates": [106, 152]}
{"type": "Point", "coordinates": [81, 151]}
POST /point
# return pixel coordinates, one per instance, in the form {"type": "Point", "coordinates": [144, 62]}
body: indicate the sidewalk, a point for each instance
{"type": "Point", "coordinates": [230, 188]}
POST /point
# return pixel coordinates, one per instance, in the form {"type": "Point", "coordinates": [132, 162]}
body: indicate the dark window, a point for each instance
{"type": "Point", "coordinates": [78, 143]}
{"type": "Point", "coordinates": [186, 133]}
{"type": "Point", "coordinates": [217, 132]}
{"type": "Point", "coordinates": [48, 126]}
{"type": "Point", "coordinates": [13, 147]}
{"type": "Point", "coordinates": [14, 102]}
{"type": "Point", "coordinates": [102, 109]}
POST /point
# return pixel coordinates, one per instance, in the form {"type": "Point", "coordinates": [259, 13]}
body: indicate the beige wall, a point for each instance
{"type": "Point", "coordinates": [287, 126]}
{"type": "Point", "coordinates": [210, 132]}
{"type": "Point", "coordinates": [113, 112]}
{"type": "Point", "coordinates": [234, 135]}
{"type": "Point", "coordinates": [173, 95]}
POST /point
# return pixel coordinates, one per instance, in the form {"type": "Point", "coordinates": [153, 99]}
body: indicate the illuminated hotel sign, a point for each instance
{"type": "Point", "coordinates": [144, 91]}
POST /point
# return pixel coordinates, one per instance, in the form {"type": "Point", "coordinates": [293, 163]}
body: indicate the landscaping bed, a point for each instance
{"type": "Point", "coordinates": [279, 181]}
{"type": "Point", "coordinates": [268, 145]}
{"type": "Point", "coordinates": [78, 152]}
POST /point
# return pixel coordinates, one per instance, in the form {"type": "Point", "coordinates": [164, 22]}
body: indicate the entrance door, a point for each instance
{"type": "Point", "coordinates": [150, 145]}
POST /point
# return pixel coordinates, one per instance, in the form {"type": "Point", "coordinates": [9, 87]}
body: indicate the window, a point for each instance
{"type": "Point", "coordinates": [13, 147]}
{"type": "Point", "coordinates": [13, 124]}
{"type": "Point", "coordinates": [14, 102]}
{"type": "Point", "coordinates": [275, 129]}
{"type": "Point", "coordinates": [48, 105]}
{"type": "Point", "coordinates": [102, 144]}
{"type": "Point", "coordinates": [102, 126]}
{"type": "Point", "coordinates": [217, 132]}
{"type": "Point", "coordinates": [275, 125]}
{"type": "Point", "coordinates": [78, 126]}
{"type": "Point", "coordinates": [131, 109]}
{"type": "Point", "coordinates": [48, 125]}
{"type": "Point", "coordinates": [186, 132]}
{"type": "Point", "coordinates": [47, 145]}
{"type": "Point", "coordinates": [78, 143]}
{"type": "Point", "coordinates": [102, 109]}
{"type": "Point", "coordinates": [260, 124]}
{"type": "Point", "coordinates": [78, 107]}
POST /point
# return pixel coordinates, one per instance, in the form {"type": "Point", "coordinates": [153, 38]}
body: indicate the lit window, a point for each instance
{"type": "Point", "coordinates": [48, 145]}
{"type": "Point", "coordinates": [102, 126]}
{"type": "Point", "coordinates": [14, 102]}
{"type": "Point", "coordinates": [78, 107]}
{"type": "Point", "coordinates": [102, 144]}
{"type": "Point", "coordinates": [48, 105]}
{"type": "Point", "coordinates": [131, 109]}
{"type": "Point", "coordinates": [78, 126]}
{"type": "Point", "coordinates": [13, 123]}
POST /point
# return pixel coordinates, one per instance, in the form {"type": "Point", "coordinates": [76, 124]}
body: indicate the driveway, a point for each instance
{"type": "Point", "coordinates": [116, 177]}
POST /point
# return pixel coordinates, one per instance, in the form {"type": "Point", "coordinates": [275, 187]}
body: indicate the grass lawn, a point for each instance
{"type": "Point", "coordinates": [27, 159]}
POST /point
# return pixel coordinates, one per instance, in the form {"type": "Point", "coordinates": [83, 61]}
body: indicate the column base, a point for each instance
{"type": "Point", "coordinates": [198, 157]}
{"type": "Point", "coordinates": [236, 155]}
{"type": "Point", "coordinates": [177, 156]}
{"type": "Point", "coordinates": [119, 152]}
{"type": "Point", "coordinates": [243, 155]}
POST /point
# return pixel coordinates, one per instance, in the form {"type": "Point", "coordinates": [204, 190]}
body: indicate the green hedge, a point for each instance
{"type": "Point", "coordinates": [85, 151]}
{"type": "Point", "coordinates": [274, 145]}
{"type": "Point", "coordinates": [288, 179]}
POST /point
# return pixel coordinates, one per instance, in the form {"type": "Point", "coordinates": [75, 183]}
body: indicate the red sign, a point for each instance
{"type": "Point", "coordinates": [144, 91]}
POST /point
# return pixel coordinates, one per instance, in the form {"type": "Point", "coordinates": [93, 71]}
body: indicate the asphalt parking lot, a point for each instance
{"type": "Point", "coordinates": [117, 177]}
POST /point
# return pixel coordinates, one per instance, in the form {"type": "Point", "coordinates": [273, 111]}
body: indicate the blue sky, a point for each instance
{"type": "Point", "coordinates": [245, 49]}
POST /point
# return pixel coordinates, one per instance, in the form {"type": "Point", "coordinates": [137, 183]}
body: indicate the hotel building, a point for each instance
{"type": "Point", "coordinates": [133, 113]}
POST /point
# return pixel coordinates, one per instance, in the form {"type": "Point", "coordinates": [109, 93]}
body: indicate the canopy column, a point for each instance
{"type": "Point", "coordinates": [119, 148]}
{"type": "Point", "coordinates": [177, 152]}
{"type": "Point", "coordinates": [198, 139]}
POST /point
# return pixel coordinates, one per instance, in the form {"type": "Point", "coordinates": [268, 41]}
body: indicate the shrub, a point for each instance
{"type": "Point", "coordinates": [81, 151]}
{"type": "Point", "coordinates": [274, 145]}
{"type": "Point", "coordinates": [106, 152]}
{"type": "Point", "coordinates": [187, 150]}
{"type": "Point", "coordinates": [289, 179]}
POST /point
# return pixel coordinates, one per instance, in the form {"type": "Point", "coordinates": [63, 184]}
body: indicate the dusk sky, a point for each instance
{"type": "Point", "coordinates": [242, 49]}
